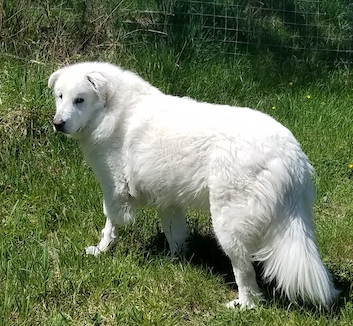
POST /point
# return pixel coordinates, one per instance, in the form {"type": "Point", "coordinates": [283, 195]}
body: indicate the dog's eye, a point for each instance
{"type": "Point", "coordinates": [78, 100]}
{"type": "Point", "coordinates": [60, 96]}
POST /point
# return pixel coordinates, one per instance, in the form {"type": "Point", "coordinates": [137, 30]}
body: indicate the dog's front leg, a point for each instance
{"type": "Point", "coordinates": [174, 227]}
{"type": "Point", "coordinates": [107, 241]}
{"type": "Point", "coordinates": [118, 212]}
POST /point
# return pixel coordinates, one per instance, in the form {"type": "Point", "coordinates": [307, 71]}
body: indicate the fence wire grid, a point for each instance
{"type": "Point", "coordinates": [305, 29]}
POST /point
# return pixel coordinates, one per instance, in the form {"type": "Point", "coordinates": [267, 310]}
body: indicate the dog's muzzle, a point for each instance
{"type": "Point", "coordinates": [59, 125]}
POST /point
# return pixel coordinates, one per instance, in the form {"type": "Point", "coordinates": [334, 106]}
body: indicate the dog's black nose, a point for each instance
{"type": "Point", "coordinates": [59, 125]}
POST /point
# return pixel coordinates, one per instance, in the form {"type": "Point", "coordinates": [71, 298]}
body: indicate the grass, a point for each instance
{"type": "Point", "coordinates": [51, 206]}
{"type": "Point", "coordinates": [50, 202]}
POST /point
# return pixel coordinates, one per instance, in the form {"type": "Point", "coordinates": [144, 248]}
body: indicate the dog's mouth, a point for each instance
{"type": "Point", "coordinates": [59, 125]}
{"type": "Point", "coordinates": [78, 130]}
{"type": "Point", "coordinates": [60, 128]}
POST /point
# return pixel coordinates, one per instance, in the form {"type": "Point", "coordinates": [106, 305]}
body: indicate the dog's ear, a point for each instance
{"type": "Point", "coordinates": [54, 77]}
{"type": "Point", "coordinates": [98, 82]}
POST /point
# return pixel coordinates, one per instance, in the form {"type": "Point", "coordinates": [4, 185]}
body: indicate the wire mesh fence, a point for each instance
{"type": "Point", "coordinates": [309, 30]}
{"type": "Point", "coordinates": [305, 29]}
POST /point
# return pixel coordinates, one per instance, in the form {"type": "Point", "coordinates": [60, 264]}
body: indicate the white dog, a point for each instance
{"type": "Point", "coordinates": [149, 148]}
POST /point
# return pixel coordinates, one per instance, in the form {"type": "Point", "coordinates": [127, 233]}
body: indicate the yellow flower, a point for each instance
{"type": "Point", "coordinates": [273, 107]}
{"type": "Point", "coordinates": [350, 166]}
{"type": "Point", "coordinates": [290, 83]}
{"type": "Point", "coordinates": [308, 96]}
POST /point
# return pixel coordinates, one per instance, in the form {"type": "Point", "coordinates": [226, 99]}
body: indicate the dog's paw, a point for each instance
{"type": "Point", "coordinates": [248, 302]}
{"type": "Point", "coordinates": [93, 250]}
{"type": "Point", "coordinates": [243, 305]}
{"type": "Point", "coordinates": [232, 304]}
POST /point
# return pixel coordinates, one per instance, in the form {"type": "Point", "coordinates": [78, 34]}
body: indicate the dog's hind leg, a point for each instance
{"type": "Point", "coordinates": [174, 228]}
{"type": "Point", "coordinates": [237, 232]}
{"type": "Point", "coordinates": [249, 293]}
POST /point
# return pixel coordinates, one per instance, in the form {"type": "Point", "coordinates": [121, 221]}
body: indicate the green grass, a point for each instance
{"type": "Point", "coordinates": [51, 205]}
{"type": "Point", "coordinates": [50, 202]}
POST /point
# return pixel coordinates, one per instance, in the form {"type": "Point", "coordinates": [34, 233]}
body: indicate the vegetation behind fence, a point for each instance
{"type": "Point", "coordinates": [307, 30]}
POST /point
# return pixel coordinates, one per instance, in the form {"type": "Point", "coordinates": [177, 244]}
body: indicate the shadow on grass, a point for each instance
{"type": "Point", "coordinates": [204, 252]}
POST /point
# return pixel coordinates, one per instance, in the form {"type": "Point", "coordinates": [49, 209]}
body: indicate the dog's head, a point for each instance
{"type": "Point", "coordinates": [80, 94]}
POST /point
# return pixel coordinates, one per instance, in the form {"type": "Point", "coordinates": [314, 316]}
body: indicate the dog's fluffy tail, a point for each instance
{"type": "Point", "coordinates": [291, 258]}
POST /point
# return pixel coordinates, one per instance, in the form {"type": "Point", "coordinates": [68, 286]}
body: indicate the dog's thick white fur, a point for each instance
{"type": "Point", "coordinates": [149, 148]}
